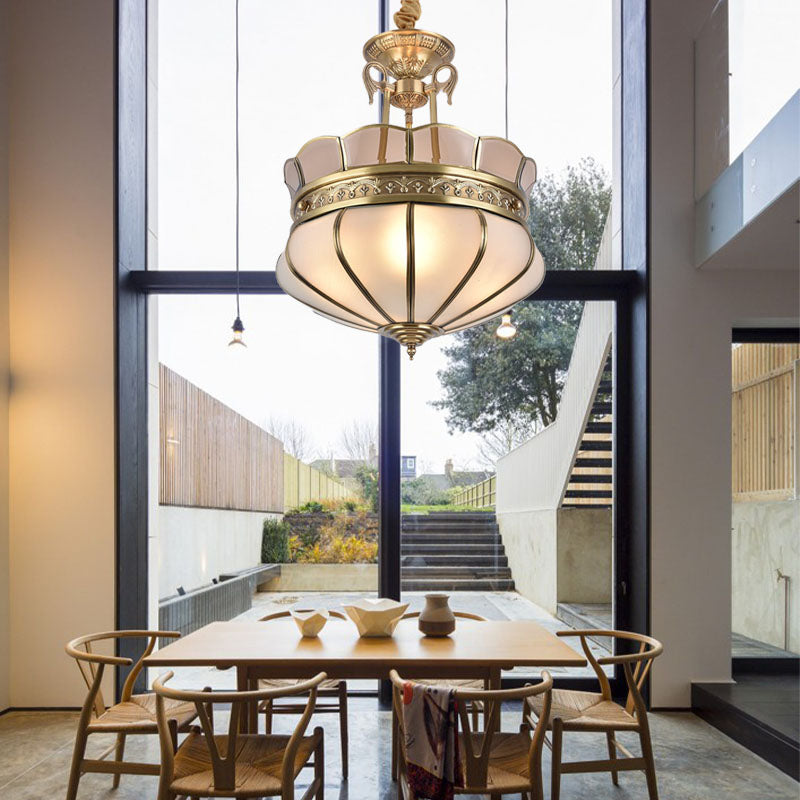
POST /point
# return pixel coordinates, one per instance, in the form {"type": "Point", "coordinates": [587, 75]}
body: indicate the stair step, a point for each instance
{"type": "Point", "coordinates": [595, 446]}
{"type": "Point", "coordinates": [578, 477]}
{"type": "Point", "coordinates": [598, 427]}
{"type": "Point", "coordinates": [604, 387]}
{"type": "Point", "coordinates": [443, 538]}
{"type": "Point", "coordinates": [593, 462]}
{"type": "Point", "coordinates": [586, 505]}
{"type": "Point", "coordinates": [602, 408]}
{"type": "Point", "coordinates": [433, 550]}
{"type": "Point", "coordinates": [463, 569]}
{"type": "Point", "coordinates": [458, 585]}
{"type": "Point", "coordinates": [440, 516]}
{"type": "Point", "coordinates": [588, 493]}
{"type": "Point", "coordinates": [453, 560]}
{"type": "Point", "coordinates": [451, 529]}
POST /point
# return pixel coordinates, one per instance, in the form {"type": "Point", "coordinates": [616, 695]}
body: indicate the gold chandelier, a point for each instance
{"type": "Point", "coordinates": [403, 231]}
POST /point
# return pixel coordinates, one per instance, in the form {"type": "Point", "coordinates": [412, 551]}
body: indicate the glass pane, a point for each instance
{"type": "Point", "coordinates": [507, 498]}
{"type": "Point", "coordinates": [268, 455]}
{"type": "Point", "coordinates": [764, 65]}
{"type": "Point", "coordinates": [765, 547]}
{"type": "Point", "coordinates": [195, 122]}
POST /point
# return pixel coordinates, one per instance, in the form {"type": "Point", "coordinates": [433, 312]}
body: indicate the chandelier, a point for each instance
{"type": "Point", "coordinates": [410, 232]}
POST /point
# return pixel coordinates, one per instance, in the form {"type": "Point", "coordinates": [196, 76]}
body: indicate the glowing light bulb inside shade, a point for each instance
{"type": "Point", "coordinates": [238, 330]}
{"type": "Point", "coordinates": [506, 329]}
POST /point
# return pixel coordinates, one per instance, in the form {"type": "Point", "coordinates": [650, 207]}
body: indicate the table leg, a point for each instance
{"type": "Point", "coordinates": [494, 683]}
{"type": "Point", "coordinates": [248, 722]}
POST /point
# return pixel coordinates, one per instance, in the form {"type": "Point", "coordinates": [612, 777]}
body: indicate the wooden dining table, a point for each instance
{"type": "Point", "coordinates": [276, 649]}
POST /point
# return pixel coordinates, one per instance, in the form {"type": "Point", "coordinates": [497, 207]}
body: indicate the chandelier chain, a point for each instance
{"type": "Point", "coordinates": [409, 13]}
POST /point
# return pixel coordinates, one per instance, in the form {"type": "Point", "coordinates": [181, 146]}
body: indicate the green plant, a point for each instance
{"type": "Point", "coordinates": [367, 477]}
{"type": "Point", "coordinates": [311, 507]}
{"type": "Point", "coordinates": [275, 542]}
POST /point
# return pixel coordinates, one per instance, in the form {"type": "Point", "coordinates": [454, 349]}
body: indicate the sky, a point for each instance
{"type": "Point", "coordinates": [300, 77]}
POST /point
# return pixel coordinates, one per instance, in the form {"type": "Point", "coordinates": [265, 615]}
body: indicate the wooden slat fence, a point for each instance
{"type": "Point", "coordinates": [302, 483]}
{"type": "Point", "coordinates": [764, 421]}
{"type": "Point", "coordinates": [479, 495]}
{"type": "Point", "coordinates": [212, 457]}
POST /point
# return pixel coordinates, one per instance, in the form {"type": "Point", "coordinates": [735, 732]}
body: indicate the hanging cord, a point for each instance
{"type": "Point", "coordinates": [237, 159]}
{"type": "Point", "coordinates": [408, 14]}
{"type": "Point", "coordinates": [506, 86]}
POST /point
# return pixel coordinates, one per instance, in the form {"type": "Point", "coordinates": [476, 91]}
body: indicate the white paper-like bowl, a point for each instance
{"type": "Point", "coordinates": [376, 617]}
{"type": "Point", "coordinates": [310, 621]}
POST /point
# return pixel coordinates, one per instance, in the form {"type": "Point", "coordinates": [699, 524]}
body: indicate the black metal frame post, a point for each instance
{"type": "Point", "coordinates": [130, 341]}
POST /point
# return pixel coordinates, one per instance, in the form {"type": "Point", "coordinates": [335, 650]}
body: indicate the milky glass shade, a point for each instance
{"type": "Point", "coordinates": [410, 233]}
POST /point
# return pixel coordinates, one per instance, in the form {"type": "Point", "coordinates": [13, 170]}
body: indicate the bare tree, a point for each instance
{"type": "Point", "coordinates": [296, 439]}
{"type": "Point", "coordinates": [359, 440]}
{"type": "Point", "coordinates": [508, 434]}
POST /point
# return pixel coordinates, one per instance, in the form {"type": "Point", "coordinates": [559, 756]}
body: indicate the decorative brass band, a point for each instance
{"type": "Point", "coordinates": [402, 183]}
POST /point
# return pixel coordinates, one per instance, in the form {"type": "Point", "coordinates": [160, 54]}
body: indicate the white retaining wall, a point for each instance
{"type": "Point", "coordinates": [197, 544]}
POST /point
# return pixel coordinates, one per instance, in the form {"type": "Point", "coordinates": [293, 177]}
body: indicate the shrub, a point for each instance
{"type": "Point", "coordinates": [311, 507]}
{"type": "Point", "coordinates": [422, 491]}
{"type": "Point", "coordinates": [275, 542]}
{"type": "Point", "coordinates": [367, 478]}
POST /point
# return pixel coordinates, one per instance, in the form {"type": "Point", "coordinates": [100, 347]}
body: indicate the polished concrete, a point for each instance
{"type": "Point", "coordinates": [694, 761]}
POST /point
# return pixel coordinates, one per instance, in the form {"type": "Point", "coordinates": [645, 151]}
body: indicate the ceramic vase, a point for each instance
{"type": "Point", "coordinates": [437, 618]}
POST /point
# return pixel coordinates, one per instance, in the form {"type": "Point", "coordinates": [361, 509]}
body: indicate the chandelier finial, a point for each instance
{"type": "Point", "coordinates": [408, 14]}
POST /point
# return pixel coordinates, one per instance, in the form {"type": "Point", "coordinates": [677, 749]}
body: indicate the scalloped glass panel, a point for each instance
{"type": "Point", "coordinates": [320, 157]}
{"type": "Point", "coordinates": [291, 175]}
{"type": "Point", "coordinates": [528, 176]}
{"type": "Point", "coordinates": [499, 157]}
{"type": "Point", "coordinates": [363, 147]}
{"type": "Point", "coordinates": [455, 146]}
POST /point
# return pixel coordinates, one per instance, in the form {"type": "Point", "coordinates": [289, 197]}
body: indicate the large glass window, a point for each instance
{"type": "Point", "coordinates": [283, 434]}
{"type": "Point", "coordinates": [300, 77]}
{"type": "Point", "coordinates": [510, 511]}
{"type": "Point", "coordinates": [267, 454]}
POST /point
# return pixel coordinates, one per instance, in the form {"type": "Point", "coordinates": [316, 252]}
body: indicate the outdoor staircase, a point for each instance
{"type": "Point", "coordinates": [453, 551]}
{"type": "Point", "coordinates": [591, 480]}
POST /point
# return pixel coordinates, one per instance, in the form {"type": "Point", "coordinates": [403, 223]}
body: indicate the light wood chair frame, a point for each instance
{"type": "Point", "coordinates": [477, 745]}
{"type": "Point", "coordinates": [339, 706]}
{"type": "Point", "coordinates": [636, 668]}
{"type": "Point", "coordinates": [92, 667]}
{"type": "Point", "coordinates": [224, 766]}
{"type": "Point", "coordinates": [474, 708]}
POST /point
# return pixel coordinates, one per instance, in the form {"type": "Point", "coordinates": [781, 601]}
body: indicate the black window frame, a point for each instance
{"type": "Point", "coordinates": [628, 288]}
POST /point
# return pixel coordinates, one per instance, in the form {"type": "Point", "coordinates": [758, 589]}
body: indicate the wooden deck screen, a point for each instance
{"type": "Point", "coordinates": [764, 421]}
{"type": "Point", "coordinates": [212, 457]}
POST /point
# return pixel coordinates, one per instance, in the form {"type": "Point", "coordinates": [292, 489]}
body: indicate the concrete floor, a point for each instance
{"type": "Point", "coordinates": [694, 761]}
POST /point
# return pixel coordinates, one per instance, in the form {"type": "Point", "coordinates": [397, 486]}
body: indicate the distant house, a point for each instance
{"type": "Point", "coordinates": [345, 467]}
{"type": "Point", "coordinates": [451, 477]}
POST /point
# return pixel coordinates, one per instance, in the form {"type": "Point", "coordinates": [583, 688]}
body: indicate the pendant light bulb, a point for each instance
{"type": "Point", "coordinates": [507, 329]}
{"type": "Point", "coordinates": [238, 330]}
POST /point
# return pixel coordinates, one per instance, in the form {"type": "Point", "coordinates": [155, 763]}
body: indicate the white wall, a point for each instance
{"type": "Point", "coordinates": [584, 555]}
{"type": "Point", "coordinates": [766, 537]}
{"type": "Point", "coordinates": [197, 544]}
{"type": "Point", "coordinates": [529, 538]}
{"type": "Point", "coordinates": [4, 355]}
{"type": "Point", "coordinates": [692, 313]}
{"type": "Point", "coordinates": [61, 414]}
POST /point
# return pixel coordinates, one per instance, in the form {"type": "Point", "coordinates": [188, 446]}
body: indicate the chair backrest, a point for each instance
{"type": "Point", "coordinates": [456, 614]}
{"type": "Point", "coordinates": [283, 614]}
{"type": "Point", "coordinates": [224, 764]}
{"type": "Point", "coordinates": [477, 748]}
{"type": "Point", "coordinates": [92, 665]}
{"type": "Point", "coordinates": [636, 664]}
